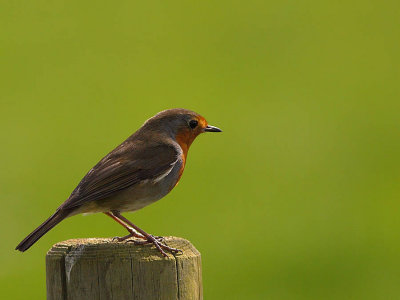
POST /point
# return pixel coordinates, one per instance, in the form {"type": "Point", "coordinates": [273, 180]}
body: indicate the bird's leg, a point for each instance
{"type": "Point", "coordinates": [132, 232]}
{"type": "Point", "coordinates": [150, 238]}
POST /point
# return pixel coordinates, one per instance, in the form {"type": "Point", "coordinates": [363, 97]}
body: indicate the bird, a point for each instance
{"type": "Point", "coordinates": [141, 170]}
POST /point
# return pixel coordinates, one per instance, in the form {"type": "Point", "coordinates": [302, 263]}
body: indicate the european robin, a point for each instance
{"type": "Point", "coordinates": [140, 171]}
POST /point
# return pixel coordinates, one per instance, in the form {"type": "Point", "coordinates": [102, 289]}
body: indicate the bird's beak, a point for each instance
{"type": "Point", "coordinates": [210, 128]}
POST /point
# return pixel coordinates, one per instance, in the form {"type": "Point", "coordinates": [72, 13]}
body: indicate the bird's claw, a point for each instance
{"type": "Point", "coordinates": [117, 239]}
{"type": "Point", "coordinates": [122, 238]}
{"type": "Point", "coordinates": [161, 246]}
{"type": "Point", "coordinates": [159, 238]}
{"type": "Point", "coordinates": [158, 242]}
{"type": "Point", "coordinates": [144, 242]}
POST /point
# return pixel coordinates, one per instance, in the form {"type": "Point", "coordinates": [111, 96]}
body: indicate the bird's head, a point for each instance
{"type": "Point", "coordinates": [181, 124]}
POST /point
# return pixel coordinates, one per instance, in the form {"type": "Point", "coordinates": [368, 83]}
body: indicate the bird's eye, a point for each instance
{"type": "Point", "coordinates": [193, 124]}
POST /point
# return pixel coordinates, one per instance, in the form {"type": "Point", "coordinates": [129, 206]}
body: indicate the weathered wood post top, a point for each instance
{"type": "Point", "coordinates": [101, 268]}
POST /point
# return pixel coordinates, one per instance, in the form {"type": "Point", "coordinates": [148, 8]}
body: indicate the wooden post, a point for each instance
{"type": "Point", "coordinates": [100, 268]}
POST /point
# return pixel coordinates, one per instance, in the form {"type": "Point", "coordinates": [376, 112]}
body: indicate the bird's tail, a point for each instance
{"type": "Point", "coordinates": [32, 238]}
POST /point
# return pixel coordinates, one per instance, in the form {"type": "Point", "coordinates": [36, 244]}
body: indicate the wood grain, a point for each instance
{"type": "Point", "coordinates": [100, 268]}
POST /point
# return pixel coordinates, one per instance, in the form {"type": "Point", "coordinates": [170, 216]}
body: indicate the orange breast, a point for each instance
{"type": "Point", "coordinates": [184, 140]}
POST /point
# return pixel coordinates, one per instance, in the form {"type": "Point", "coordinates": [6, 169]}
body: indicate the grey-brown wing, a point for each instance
{"type": "Point", "coordinates": [122, 168]}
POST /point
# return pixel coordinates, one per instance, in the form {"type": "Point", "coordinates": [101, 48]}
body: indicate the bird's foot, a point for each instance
{"type": "Point", "coordinates": [157, 241]}
{"type": "Point", "coordinates": [120, 238]}
{"type": "Point", "coordinates": [162, 246]}
{"type": "Point", "coordinates": [145, 241]}
{"type": "Point", "coordinates": [123, 238]}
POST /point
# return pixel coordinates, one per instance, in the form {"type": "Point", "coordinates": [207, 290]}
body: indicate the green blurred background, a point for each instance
{"type": "Point", "coordinates": [298, 198]}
